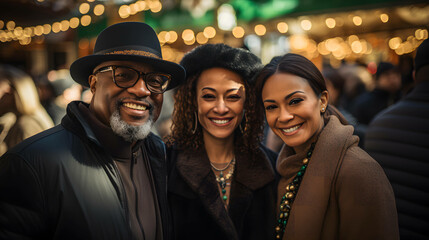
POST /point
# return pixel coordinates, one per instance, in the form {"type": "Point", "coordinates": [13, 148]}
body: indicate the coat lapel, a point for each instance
{"type": "Point", "coordinates": [252, 172]}
{"type": "Point", "coordinates": [196, 171]}
{"type": "Point", "coordinates": [311, 203]}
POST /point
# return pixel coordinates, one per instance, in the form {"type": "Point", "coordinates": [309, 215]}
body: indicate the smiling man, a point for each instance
{"type": "Point", "coordinates": [101, 173]}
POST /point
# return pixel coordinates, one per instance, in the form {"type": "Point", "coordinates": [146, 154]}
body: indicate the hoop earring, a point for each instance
{"type": "Point", "coordinates": [194, 129]}
{"type": "Point", "coordinates": [243, 129]}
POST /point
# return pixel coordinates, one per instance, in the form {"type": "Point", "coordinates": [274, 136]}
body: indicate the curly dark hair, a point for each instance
{"type": "Point", "coordinates": [195, 62]}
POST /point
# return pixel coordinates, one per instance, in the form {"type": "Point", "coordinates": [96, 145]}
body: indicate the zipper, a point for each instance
{"type": "Point", "coordinates": [123, 196]}
{"type": "Point", "coordinates": [157, 200]}
{"type": "Point", "coordinates": [134, 161]}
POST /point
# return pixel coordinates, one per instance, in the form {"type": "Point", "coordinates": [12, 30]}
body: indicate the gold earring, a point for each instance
{"type": "Point", "coordinates": [323, 109]}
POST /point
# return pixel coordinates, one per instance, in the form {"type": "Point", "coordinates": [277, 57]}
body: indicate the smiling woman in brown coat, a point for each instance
{"type": "Point", "coordinates": [329, 188]}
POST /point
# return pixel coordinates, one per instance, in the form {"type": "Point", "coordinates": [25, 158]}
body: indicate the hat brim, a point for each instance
{"type": "Point", "coordinates": [82, 68]}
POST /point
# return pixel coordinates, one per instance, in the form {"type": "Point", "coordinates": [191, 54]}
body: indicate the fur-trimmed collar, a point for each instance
{"type": "Point", "coordinates": [253, 171]}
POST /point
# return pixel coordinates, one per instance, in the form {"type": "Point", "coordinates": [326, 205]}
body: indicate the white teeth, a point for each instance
{"type": "Point", "coordinates": [220, 121]}
{"type": "Point", "coordinates": [290, 129]}
{"type": "Point", "coordinates": [135, 106]}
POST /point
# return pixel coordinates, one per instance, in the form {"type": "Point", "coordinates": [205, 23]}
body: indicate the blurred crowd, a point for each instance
{"type": "Point", "coordinates": [32, 104]}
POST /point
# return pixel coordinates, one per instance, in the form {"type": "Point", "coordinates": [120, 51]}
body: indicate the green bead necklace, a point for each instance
{"type": "Point", "coordinates": [288, 198]}
{"type": "Point", "coordinates": [222, 179]}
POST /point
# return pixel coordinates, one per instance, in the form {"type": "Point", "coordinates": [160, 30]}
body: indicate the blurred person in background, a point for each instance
{"type": "Point", "coordinates": [21, 113]}
{"type": "Point", "coordinates": [398, 139]}
{"type": "Point", "coordinates": [386, 92]}
{"type": "Point", "coordinates": [356, 81]}
{"type": "Point", "coordinates": [335, 85]}
{"type": "Point", "coordinates": [59, 90]}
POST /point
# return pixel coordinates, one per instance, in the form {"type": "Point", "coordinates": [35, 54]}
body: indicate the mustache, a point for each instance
{"type": "Point", "coordinates": [149, 105]}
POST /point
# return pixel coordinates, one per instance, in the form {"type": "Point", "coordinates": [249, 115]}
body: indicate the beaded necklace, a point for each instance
{"type": "Point", "coordinates": [221, 179]}
{"type": "Point", "coordinates": [288, 198]}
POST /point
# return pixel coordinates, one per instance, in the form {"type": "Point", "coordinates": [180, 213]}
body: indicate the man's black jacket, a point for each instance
{"type": "Point", "coordinates": [62, 184]}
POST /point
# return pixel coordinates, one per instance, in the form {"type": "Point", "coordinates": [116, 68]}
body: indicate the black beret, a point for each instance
{"type": "Point", "coordinates": [238, 60]}
{"type": "Point", "coordinates": [422, 55]}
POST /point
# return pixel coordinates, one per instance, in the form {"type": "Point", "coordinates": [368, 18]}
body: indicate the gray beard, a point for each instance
{"type": "Point", "coordinates": [129, 132]}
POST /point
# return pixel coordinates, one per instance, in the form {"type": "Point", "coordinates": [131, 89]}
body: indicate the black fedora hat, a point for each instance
{"type": "Point", "coordinates": [128, 41]}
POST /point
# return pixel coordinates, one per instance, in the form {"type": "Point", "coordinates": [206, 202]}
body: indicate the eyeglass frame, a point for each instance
{"type": "Point", "coordinates": [139, 74]}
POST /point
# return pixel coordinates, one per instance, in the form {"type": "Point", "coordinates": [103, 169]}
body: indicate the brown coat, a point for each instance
{"type": "Point", "coordinates": [344, 193]}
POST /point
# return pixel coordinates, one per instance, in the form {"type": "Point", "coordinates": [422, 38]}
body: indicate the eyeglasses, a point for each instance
{"type": "Point", "coordinates": [126, 77]}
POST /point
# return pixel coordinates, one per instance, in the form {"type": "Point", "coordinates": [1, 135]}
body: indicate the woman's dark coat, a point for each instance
{"type": "Point", "coordinates": [196, 206]}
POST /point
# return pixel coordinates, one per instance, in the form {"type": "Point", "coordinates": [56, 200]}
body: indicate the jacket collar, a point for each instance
{"type": "Point", "coordinates": [99, 133]}
{"type": "Point", "coordinates": [253, 171]}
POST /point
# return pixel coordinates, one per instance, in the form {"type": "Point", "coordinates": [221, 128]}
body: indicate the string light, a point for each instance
{"type": "Point", "coordinates": [306, 24]}
{"type": "Point", "coordinates": [84, 8]}
{"type": "Point", "coordinates": [201, 39]}
{"type": "Point", "coordinates": [188, 35]}
{"type": "Point", "coordinates": [209, 32]}
{"type": "Point", "coordinates": [357, 20]}
{"type": "Point", "coordinates": [99, 10]}
{"type": "Point", "coordinates": [282, 27]}
{"type": "Point", "coordinates": [238, 32]}
{"type": "Point", "coordinates": [260, 30]}
{"type": "Point", "coordinates": [330, 22]}
{"type": "Point", "coordinates": [384, 17]}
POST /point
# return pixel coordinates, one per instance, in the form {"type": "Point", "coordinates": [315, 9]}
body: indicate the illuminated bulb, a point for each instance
{"type": "Point", "coordinates": [85, 20]}
{"type": "Point", "coordinates": [65, 25]}
{"type": "Point", "coordinates": [384, 17]}
{"type": "Point", "coordinates": [190, 42]}
{"type": "Point", "coordinates": [98, 9]}
{"type": "Point", "coordinates": [330, 22]}
{"type": "Point", "coordinates": [25, 41]}
{"type": "Point", "coordinates": [46, 29]}
{"type": "Point", "coordinates": [306, 24]}
{"type": "Point", "coordinates": [421, 34]}
{"type": "Point", "coordinates": [38, 30]}
{"type": "Point", "coordinates": [332, 44]}
{"type": "Point", "coordinates": [260, 30]}
{"type": "Point", "coordinates": [188, 35]}
{"type": "Point", "coordinates": [156, 7]}
{"type": "Point", "coordinates": [10, 25]}
{"type": "Point", "coordinates": [162, 36]}
{"type": "Point", "coordinates": [352, 38]}
{"type": "Point", "coordinates": [56, 27]}
{"type": "Point", "coordinates": [28, 31]}
{"type": "Point", "coordinates": [356, 47]}
{"type": "Point", "coordinates": [74, 22]}
{"type": "Point", "coordinates": [18, 31]}
{"type": "Point", "coordinates": [201, 39]}
{"type": "Point", "coordinates": [209, 32]}
{"type": "Point", "coordinates": [84, 8]}
{"type": "Point", "coordinates": [124, 11]}
{"type": "Point", "coordinates": [173, 36]}
{"type": "Point", "coordinates": [142, 5]}
{"type": "Point", "coordinates": [1, 24]}
{"type": "Point", "coordinates": [282, 27]}
{"type": "Point", "coordinates": [238, 32]}
{"type": "Point", "coordinates": [394, 43]}
{"type": "Point", "coordinates": [357, 20]}
{"type": "Point", "coordinates": [321, 48]}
